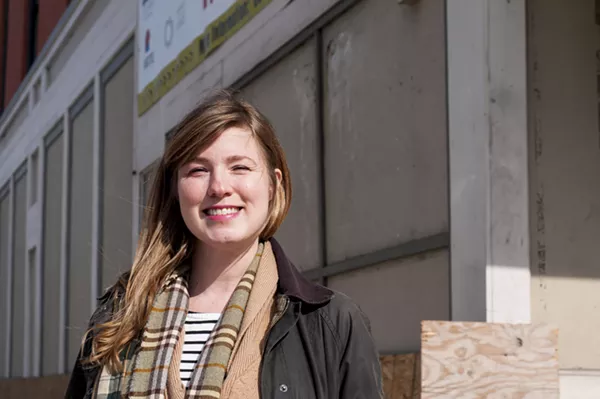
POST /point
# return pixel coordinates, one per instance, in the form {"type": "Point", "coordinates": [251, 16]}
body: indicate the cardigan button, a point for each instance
{"type": "Point", "coordinates": [283, 388]}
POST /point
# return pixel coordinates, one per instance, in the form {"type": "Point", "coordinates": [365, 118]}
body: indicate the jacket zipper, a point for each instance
{"type": "Point", "coordinates": [276, 319]}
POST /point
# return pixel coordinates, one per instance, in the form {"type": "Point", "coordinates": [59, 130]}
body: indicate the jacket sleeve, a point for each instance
{"type": "Point", "coordinates": [77, 387]}
{"type": "Point", "coordinates": [360, 369]}
{"type": "Point", "coordinates": [83, 378]}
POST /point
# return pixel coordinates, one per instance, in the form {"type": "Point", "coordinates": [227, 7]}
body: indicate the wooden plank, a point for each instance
{"type": "Point", "coordinates": [485, 360]}
{"type": "Point", "coordinates": [401, 376]}
{"type": "Point", "coordinates": [387, 371]}
{"type": "Point", "coordinates": [405, 367]}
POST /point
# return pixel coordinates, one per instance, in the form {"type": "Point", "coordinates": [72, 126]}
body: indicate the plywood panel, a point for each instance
{"type": "Point", "coordinates": [286, 94]}
{"type": "Point", "coordinates": [484, 360]}
{"type": "Point", "coordinates": [385, 126]}
{"type": "Point", "coordinates": [392, 296]}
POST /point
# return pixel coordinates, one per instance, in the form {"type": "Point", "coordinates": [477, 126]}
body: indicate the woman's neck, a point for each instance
{"type": "Point", "coordinates": [216, 273]}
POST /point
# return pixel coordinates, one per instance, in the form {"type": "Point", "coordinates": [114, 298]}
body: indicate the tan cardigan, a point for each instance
{"type": "Point", "coordinates": [242, 377]}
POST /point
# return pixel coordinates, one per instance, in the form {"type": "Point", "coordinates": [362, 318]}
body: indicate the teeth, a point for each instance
{"type": "Point", "coordinates": [221, 211]}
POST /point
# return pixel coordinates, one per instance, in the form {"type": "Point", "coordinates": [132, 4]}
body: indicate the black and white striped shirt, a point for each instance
{"type": "Point", "coordinates": [198, 327]}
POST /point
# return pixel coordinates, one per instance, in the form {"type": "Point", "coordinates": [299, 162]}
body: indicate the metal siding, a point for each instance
{"type": "Point", "coordinates": [287, 95]}
{"type": "Point", "coordinates": [385, 121]}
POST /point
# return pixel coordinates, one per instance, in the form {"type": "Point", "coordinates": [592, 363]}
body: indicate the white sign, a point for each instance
{"type": "Point", "coordinates": [166, 27]}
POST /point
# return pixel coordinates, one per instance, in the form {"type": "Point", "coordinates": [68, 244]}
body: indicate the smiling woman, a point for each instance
{"type": "Point", "coordinates": [212, 306]}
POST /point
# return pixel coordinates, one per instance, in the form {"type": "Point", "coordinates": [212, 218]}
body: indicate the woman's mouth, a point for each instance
{"type": "Point", "coordinates": [222, 213]}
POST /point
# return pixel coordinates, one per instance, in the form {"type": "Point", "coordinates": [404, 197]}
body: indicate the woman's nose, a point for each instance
{"type": "Point", "coordinates": [218, 186]}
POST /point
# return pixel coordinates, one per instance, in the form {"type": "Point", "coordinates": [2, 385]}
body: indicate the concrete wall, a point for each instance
{"type": "Point", "coordinates": [564, 171]}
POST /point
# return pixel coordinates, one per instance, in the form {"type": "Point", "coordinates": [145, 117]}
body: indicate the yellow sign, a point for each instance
{"type": "Point", "coordinates": [215, 34]}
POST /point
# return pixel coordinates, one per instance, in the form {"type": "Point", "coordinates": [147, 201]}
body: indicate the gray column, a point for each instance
{"type": "Point", "coordinates": [487, 117]}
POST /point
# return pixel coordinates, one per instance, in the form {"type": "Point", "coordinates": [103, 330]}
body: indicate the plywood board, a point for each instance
{"type": "Point", "coordinates": [485, 360]}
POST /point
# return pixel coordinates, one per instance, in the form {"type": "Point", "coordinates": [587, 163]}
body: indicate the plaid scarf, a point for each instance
{"type": "Point", "coordinates": [146, 366]}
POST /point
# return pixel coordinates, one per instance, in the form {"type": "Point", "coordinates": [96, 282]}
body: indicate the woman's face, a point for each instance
{"type": "Point", "coordinates": [224, 193]}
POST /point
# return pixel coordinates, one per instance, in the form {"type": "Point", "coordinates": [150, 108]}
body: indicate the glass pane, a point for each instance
{"type": "Point", "coordinates": [80, 230]}
{"type": "Point", "coordinates": [52, 244]}
{"type": "Point", "coordinates": [117, 185]}
{"type": "Point", "coordinates": [18, 288]}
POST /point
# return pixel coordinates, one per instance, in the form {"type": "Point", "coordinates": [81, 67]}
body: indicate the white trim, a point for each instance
{"type": "Point", "coordinates": [39, 257]}
{"type": "Point", "coordinates": [62, 339]}
{"type": "Point", "coordinates": [96, 214]}
{"type": "Point", "coordinates": [27, 277]}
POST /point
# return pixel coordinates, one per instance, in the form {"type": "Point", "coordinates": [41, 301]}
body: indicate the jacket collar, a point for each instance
{"type": "Point", "coordinates": [293, 283]}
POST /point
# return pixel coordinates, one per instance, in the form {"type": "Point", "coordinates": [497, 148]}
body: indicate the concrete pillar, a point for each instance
{"type": "Point", "coordinates": [487, 111]}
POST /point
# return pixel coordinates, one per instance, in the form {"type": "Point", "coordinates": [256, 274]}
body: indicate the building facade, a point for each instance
{"type": "Point", "coordinates": [444, 157]}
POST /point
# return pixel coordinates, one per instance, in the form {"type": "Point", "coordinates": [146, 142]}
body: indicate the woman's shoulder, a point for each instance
{"type": "Point", "coordinates": [344, 308]}
{"type": "Point", "coordinates": [344, 316]}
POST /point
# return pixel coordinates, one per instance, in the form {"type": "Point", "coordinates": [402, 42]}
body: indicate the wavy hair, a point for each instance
{"type": "Point", "coordinates": [165, 241]}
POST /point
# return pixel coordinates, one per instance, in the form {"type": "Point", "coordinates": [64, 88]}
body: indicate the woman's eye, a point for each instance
{"type": "Point", "coordinates": [197, 170]}
{"type": "Point", "coordinates": [240, 167]}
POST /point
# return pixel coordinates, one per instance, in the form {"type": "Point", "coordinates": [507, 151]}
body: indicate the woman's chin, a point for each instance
{"type": "Point", "coordinates": [231, 239]}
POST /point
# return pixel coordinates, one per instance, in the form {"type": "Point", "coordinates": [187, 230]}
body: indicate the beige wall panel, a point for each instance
{"type": "Point", "coordinates": [565, 171]}
{"type": "Point", "coordinates": [397, 295]}
{"type": "Point", "coordinates": [80, 230]}
{"type": "Point", "coordinates": [115, 251]}
{"type": "Point", "coordinates": [286, 94]}
{"type": "Point", "coordinates": [385, 118]}
{"type": "Point", "coordinates": [51, 244]}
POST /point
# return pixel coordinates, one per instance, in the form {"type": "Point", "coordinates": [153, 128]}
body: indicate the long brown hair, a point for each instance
{"type": "Point", "coordinates": [165, 241]}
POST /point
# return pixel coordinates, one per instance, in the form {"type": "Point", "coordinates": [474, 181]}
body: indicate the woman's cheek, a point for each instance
{"type": "Point", "coordinates": [191, 192]}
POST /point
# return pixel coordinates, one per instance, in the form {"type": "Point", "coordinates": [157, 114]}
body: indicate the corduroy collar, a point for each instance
{"type": "Point", "coordinates": [293, 283]}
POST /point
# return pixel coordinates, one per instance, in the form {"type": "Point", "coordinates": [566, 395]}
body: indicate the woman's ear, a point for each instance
{"type": "Point", "coordinates": [278, 179]}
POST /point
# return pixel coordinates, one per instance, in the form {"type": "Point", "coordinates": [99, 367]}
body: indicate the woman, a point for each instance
{"type": "Point", "coordinates": [212, 307]}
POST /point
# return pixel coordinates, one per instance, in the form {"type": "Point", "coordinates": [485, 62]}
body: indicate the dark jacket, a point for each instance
{"type": "Point", "coordinates": [321, 348]}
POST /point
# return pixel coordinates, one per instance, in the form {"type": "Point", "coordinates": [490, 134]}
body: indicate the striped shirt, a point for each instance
{"type": "Point", "coordinates": [198, 327]}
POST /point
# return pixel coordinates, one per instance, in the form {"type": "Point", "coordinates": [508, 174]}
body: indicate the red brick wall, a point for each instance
{"type": "Point", "coordinates": [16, 55]}
{"type": "Point", "coordinates": [50, 12]}
{"type": "Point", "coordinates": [2, 28]}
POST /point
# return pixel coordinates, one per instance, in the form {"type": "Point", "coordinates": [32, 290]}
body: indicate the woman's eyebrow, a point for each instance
{"type": "Point", "coordinates": [237, 158]}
